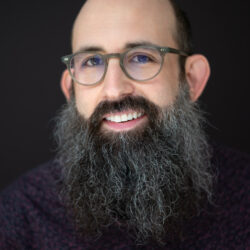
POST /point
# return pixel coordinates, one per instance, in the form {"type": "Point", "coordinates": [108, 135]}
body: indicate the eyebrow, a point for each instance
{"type": "Point", "coordinates": [139, 43]}
{"type": "Point", "coordinates": [128, 45]}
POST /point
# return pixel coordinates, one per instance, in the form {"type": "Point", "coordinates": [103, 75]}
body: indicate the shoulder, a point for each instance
{"type": "Point", "coordinates": [223, 152]}
{"type": "Point", "coordinates": [33, 185]}
{"type": "Point", "coordinates": [224, 224]}
{"type": "Point", "coordinates": [231, 165]}
{"type": "Point", "coordinates": [23, 204]}
{"type": "Point", "coordinates": [232, 170]}
{"type": "Point", "coordinates": [231, 196]}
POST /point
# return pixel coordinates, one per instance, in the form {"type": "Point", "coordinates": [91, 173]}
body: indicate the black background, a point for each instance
{"type": "Point", "coordinates": [35, 34]}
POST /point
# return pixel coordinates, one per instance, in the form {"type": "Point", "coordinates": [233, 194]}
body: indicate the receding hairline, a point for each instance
{"type": "Point", "coordinates": [174, 30]}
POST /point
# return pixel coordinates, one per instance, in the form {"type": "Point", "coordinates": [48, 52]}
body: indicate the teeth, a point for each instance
{"type": "Point", "coordinates": [130, 117]}
{"type": "Point", "coordinates": [124, 117]}
{"type": "Point", "coordinates": [117, 118]}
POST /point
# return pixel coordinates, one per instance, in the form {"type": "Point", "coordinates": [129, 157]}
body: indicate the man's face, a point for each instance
{"type": "Point", "coordinates": [111, 25]}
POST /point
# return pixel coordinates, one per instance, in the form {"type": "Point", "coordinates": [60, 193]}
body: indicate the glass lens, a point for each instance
{"type": "Point", "coordinates": [87, 68]}
{"type": "Point", "coordinates": [142, 63]}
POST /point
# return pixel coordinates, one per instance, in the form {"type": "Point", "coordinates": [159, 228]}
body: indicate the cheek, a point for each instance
{"type": "Point", "coordinates": [162, 93]}
{"type": "Point", "coordinates": [163, 89]}
{"type": "Point", "coordinates": [167, 85]}
{"type": "Point", "coordinates": [85, 100]}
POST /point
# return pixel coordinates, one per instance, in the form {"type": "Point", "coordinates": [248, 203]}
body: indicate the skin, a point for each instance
{"type": "Point", "coordinates": [110, 25]}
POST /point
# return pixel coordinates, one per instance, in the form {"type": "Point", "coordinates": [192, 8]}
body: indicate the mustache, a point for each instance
{"type": "Point", "coordinates": [137, 103]}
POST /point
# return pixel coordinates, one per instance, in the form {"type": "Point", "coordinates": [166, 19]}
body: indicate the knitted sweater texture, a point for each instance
{"type": "Point", "coordinates": [32, 217]}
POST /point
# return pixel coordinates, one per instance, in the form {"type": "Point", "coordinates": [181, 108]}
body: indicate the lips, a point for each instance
{"type": "Point", "coordinates": [123, 121]}
{"type": "Point", "coordinates": [124, 117]}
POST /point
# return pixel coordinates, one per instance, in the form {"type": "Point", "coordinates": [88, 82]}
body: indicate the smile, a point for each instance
{"type": "Point", "coordinates": [124, 117]}
{"type": "Point", "coordinates": [123, 121]}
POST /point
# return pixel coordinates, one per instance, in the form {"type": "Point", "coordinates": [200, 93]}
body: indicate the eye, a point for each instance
{"type": "Point", "coordinates": [141, 59]}
{"type": "Point", "coordinates": [93, 61]}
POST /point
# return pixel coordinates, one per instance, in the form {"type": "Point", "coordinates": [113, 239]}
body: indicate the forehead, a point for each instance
{"type": "Point", "coordinates": [111, 24]}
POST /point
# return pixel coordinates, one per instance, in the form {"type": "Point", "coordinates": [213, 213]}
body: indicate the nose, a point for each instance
{"type": "Point", "coordinates": [116, 84]}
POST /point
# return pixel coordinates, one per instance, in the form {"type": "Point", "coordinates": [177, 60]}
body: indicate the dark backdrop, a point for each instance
{"type": "Point", "coordinates": [34, 34]}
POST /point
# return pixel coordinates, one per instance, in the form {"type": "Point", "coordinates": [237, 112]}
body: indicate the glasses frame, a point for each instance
{"type": "Point", "coordinates": [162, 50]}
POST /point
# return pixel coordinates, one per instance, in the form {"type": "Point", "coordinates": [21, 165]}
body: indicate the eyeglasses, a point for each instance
{"type": "Point", "coordinates": [141, 63]}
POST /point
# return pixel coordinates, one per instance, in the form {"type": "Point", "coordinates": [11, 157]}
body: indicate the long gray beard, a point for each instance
{"type": "Point", "coordinates": [148, 181]}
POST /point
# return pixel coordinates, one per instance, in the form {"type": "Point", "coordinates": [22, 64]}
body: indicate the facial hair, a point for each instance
{"type": "Point", "coordinates": [149, 180]}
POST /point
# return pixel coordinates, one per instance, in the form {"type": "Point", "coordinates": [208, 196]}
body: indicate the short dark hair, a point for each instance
{"type": "Point", "coordinates": [183, 34]}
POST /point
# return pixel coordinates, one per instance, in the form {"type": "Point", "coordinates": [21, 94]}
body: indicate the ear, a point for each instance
{"type": "Point", "coordinates": [66, 84]}
{"type": "Point", "coordinates": [197, 73]}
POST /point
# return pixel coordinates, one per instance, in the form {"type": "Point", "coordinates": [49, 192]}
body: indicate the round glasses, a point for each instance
{"type": "Point", "coordinates": [141, 63]}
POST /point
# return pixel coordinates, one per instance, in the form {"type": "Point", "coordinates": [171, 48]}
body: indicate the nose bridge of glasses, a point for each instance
{"type": "Point", "coordinates": [112, 55]}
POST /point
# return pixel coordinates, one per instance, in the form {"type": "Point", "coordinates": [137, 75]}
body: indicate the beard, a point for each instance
{"type": "Point", "coordinates": [147, 181]}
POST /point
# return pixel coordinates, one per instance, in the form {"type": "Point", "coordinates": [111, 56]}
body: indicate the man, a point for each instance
{"type": "Point", "coordinates": [134, 168]}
